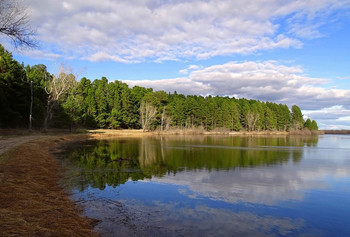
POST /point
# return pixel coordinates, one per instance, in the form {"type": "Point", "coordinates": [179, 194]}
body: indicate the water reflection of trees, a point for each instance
{"type": "Point", "coordinates": [113, 162]}
{"type": "Point", "coordinates": [102, 163]}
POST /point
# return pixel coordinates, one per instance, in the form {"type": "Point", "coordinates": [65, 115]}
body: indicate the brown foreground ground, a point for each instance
{"type": "Point", "coordinates": [32, 203]}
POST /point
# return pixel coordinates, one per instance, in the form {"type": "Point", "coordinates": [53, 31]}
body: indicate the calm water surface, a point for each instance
{"type": "Point", "coordinates": [213, 185]}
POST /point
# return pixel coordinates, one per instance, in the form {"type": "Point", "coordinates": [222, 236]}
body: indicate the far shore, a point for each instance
{"type": "Point", "coordinates": [139, 132]}
{"type": "Point", "coordinates": [105, 133]}
{"type": "Point", "coordinates": [344, 131]}
{"type": "Point", "coordinates": [108, 133]}
{"type": "Point", "coordinates": [98, 133]}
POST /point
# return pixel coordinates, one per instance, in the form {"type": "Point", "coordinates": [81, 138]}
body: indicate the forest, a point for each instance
{"type": "Point", "coordinates": [31, 97]}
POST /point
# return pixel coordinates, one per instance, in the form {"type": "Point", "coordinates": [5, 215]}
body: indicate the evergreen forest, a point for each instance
{"type": "Point", "coordinates": [32, 97]}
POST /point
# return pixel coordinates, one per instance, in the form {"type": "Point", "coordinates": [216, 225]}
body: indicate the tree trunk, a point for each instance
{"type": "Point", "coordinates": [31, 107]}
{"type": "Point", "coordinates": [50, 105]}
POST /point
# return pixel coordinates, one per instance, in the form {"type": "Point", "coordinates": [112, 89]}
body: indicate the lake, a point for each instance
{"type": "Point", "coordinates": [213, 185]}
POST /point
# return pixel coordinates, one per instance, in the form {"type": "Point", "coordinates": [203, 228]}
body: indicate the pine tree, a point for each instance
{"type": "Point", "coordinates": [314, 125]}
{"type": "Point", "coordinates": [14, 93]}
{"type": "Point", "coordinates": [235, 117]}
{"type": "Point", "coordinates": [270, 120]}
{"type": "Point", "coordinates": [101, 102]}
{"type": "Point", "coordinates": [297, 118]}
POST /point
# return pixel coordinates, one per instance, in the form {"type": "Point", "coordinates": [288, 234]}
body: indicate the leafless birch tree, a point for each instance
{"type": "Point", "coordinates": [148, 114]}
{"type": "Point", "coordinates": [251, 119]}
{"type": "Point", "coordinates": [56, 87]}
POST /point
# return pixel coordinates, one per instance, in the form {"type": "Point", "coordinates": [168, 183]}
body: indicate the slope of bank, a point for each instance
{"type": "Point", "coordinates": [31, 201]}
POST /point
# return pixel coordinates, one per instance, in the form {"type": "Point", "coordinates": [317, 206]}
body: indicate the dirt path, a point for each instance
{"type": "Point", "coordinates": [8, 143]}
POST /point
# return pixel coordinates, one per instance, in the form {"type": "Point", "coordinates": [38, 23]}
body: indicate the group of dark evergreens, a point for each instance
{"type": "Point", "coordinates": [29, 91]}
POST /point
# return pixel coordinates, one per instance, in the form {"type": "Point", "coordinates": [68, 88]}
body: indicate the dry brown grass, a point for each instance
{"type": "Point", "coordinates": [31, 201]}
{"type": "Point", "coordinates": [305, 132]}
{"type": "Point", "coordinates": [182, 131]}
{"type": "Point", "coordinates": [110, 133]}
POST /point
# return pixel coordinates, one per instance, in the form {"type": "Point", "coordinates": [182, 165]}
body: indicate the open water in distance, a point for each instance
{"type": "Point", "coordinates": [213, 185]}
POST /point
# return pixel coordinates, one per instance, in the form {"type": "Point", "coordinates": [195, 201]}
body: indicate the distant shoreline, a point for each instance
{"type": "Point", "coordinates": [109, 133]}
{"type": "Point", "coordinates": [343, 131]}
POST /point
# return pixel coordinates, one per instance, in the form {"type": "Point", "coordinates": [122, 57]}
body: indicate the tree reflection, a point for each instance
{"type": "Point", "coordinates": [114, 162]}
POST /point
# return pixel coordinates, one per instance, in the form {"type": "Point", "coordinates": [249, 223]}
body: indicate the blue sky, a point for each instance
{"type": "Point", "coordinates": [290, 52]}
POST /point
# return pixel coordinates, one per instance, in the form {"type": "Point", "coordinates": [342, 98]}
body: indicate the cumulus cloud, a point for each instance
{"type": "Point", "coordinates": [189, 68]}
{"type": "Point", "coordinates": [126, 31]}
{"type": "Point", "coordinates": [267, 81]}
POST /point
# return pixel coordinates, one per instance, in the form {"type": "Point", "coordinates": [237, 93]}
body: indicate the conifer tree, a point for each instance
{"type": "Point", "coordinates": [14, 93]}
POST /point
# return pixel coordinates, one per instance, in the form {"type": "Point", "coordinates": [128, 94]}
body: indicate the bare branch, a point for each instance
{"type": "Point", "coordinates": [14, 23]}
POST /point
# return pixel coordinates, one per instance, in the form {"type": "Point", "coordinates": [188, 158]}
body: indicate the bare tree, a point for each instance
{"type": "Point", "coordinates": [251, 119]}
{"type": "Point", "coordinates": [14, 23]}
{"type": "Point", "coordinates": [55, 88]}
{"type": "Point", "coordinates": [148, 114]}
{"type": "Point", "coordinates": [31, 105]}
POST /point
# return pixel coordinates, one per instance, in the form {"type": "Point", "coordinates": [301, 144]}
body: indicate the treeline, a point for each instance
{"type": "Point", "coordinates": [31, 95]}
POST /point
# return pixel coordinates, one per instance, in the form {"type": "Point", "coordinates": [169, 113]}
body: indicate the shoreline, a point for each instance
{"type": "Point", "coordinates": [105, 133]}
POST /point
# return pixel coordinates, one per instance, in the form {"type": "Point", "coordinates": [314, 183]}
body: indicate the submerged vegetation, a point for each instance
{"type": "Point", "coordinates": [62, 101]}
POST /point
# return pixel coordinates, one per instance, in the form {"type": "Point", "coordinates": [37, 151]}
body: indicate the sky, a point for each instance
{"type": "Point", "coordinates": [289, 52]}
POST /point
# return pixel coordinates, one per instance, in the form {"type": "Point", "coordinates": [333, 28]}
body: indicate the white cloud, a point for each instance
{"type": "Point", "coordinates": [334, 117]}
{"type": "Point", "coordinates": [172, 30]}
{"type": "Point", "coordinates": [344, 78]}
{"type": "Point", "coordinates": [183, 71]}
{"type": "Point", "coordinates": [194, 67]}
{"type": "Point", "coordinates": [266, 80]}
{"type": "Point", "coordinates": [101, 56]}
{"type": "Point", "coordinates": [35, 53]}
{"type": "Point", "coordinates": [190, 68]}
